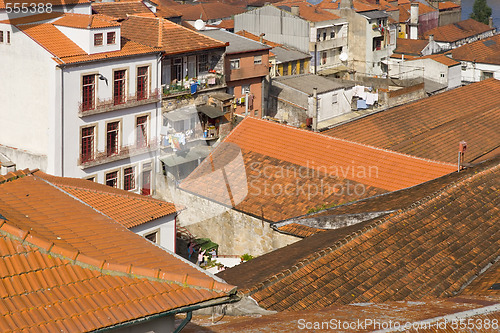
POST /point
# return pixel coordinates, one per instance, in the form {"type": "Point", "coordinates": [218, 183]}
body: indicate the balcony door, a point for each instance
{"type": "Point", "coordinates": [146, 182]}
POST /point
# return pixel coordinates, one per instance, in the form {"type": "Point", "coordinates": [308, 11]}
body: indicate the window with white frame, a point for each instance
{"type": "Point", "coordinates": [257, 60]}
{"type": "Point", "coordinates": [1, 37]}
{"type": "Point", "coordinates": [235, 63]}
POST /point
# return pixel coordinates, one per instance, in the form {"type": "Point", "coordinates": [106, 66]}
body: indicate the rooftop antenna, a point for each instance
{"type": "Point", "coordinates": [462, 146]}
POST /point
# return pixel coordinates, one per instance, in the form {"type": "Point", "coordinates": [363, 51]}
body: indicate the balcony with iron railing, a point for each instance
{"type": "Point", "coordinates": [95, 158]}
{"type": "Point", "coordinates": [207, 83]}
{"type": "Point", "coordinates": [112, 104]}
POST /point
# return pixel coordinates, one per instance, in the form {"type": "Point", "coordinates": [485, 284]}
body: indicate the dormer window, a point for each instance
{"type": "Point", "coordinates": [98, 39]}
{"type": "Point", "coordinates": [111, 38]}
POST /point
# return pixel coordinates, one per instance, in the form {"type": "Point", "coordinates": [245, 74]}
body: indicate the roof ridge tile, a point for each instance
{"type": "Point", "coordinates": [347, 141]}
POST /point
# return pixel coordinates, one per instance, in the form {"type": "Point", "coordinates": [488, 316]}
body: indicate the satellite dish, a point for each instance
{"type": "Point", "coordinates": [199, 24]}
{"type": "Point", "coordinates": [343, 56]}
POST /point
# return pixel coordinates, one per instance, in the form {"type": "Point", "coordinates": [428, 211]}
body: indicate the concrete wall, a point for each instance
{"type": "Point", "coordinates": [165, 228]}
{"type": "Point", "coordinates": [278, 25]}
{"type": "Point", "coordinates": [235, 232]}
{"type": "Point", "coordinates": [449, 16]}
{"type": "Point", "coordinates": [356, 39]}
{"type": "Point", "coordinates": [473, 72]}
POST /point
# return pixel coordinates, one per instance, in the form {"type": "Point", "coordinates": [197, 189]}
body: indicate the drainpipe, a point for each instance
{"type": "Point", "coordinates": [62, 121]}
{"type": "Point", "coordinates": [315, 107]}
{"type": "Point", "coordinates": [186, 320]}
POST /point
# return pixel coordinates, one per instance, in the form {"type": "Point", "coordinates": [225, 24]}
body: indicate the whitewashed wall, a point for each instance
{"type": "Point", "coordinates": [165, 227]}
{"type": "Point", "coordinates": [27, 94]}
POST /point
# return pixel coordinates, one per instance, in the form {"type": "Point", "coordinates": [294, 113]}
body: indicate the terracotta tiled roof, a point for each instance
{"type": "Point", "coordinates": [267, 146]}
{"type": "Point", "coordinates": [120, 10]}
{"type": "Point", "coordinates": [226, 24]}
{"type": "Point", "coordinates": [359, 5]}
{"type": "Point", "coordinates": [82, 21]}
{"type": "Point", "coordinates": [65, 266]}
{"type": "Point", "coordinates": [486, 284]}
{"type": "Point", "coordinates": [432, 127]}
{"type": "Point", "coordinates": [410, 46]}
{"type": "Point", "coordinates": [485, 51]}
{"type": "Point", "coordinates": [208, 11]}
{"type": "Point", "coordinates": [128, 209]}
{"type": "Point", "coordinates": [307, 11]}
{"type": "Point", "coordinates": [65, 51]}
{"type": "Point", "coordinates": [33, 18]}
{"type": "Point", "coordinates": [256, 38]}
{"type": "Point", "coordinates": [268, 265]}
{"type": "Point", "coordinates": [433, 248]}
{"type": "Point", "coordinates": [395, 200]}
{"type": "Point", "coordinates": [380, 314]}
{"type": "Point", "coordinates": [169, 37]}
{"type": "Point", "coordinates": [422, 8]}
{"type": "Point", "coordinates": [299, 230]}
{"type": "Point", "coordinates": [447, 5]}
{"type": "Point", "coordinates": [52, 2]}
{"type": "Point", "coordinates": [443, 59]}
{"type": "Point", "coordinates": [457, 31]}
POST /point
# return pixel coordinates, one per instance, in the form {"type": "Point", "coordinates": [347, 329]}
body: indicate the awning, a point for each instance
{"type": "Point", "coordinates": [185, 156]}
{"type": "Point", "coordinates": [210, 111]}
{"type": "Point", "coordinates": [334, 70]}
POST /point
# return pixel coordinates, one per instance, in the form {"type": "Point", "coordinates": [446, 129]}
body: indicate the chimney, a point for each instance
{"type": "Point", "coordinates": [414, 13]}
{"type": "Point", "coordinates": [346, 4]}
{"type": "Point", "coordinates": [295, 10]}
{"type": "Point", "coordinates": [414, 20]}
{"type": "Point", "coordinates": [490, 22]}
{"type": "Point", "coordinates": [261, 38]}
{"type": "Point", "coordinates": [431, 38]}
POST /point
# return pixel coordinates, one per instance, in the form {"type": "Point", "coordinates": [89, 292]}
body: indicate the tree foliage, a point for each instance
{"type": "Point", "coordinates": [481, 12]}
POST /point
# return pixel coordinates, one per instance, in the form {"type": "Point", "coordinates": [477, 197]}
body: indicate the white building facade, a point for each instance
{"type": "Point", "coordinates": [324, 36]}
{"type": "Point", "coordinates": [79, 103]}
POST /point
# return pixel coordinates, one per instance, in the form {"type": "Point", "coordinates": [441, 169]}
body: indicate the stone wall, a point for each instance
{"type": "Point", "coordinates": [236, 233]}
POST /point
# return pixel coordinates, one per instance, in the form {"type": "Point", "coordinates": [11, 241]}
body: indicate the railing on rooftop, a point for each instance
{"type": "Point", "coordinates": [185, 87]}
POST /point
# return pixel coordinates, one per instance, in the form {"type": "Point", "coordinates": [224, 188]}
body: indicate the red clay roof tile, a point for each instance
{"type": "Point", "coordinates": [207, 11]}
{"type": "Point", "coordinates": [82, 21]}
{"type": "Point", "coordinates": [66, 51]}
{"type": "Point", "coordinates": [458, 31]}
{"type": "Point", "coordinates": [485, 51]}
{"type": "Point", "coordinates": [308, 11]}
{"type": "Point", "coordinates": [82, 296]}
{"type": "Point", "coordinates": [169, 37]}
{"type": "Point", "coordinates": [121, 10]}
{"type": "Point", "coordinates": [127, 208]}
{"type": "Point", "coordinates": [271, 157]}
{"type": "Point", "coordinates": [432, 127]}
